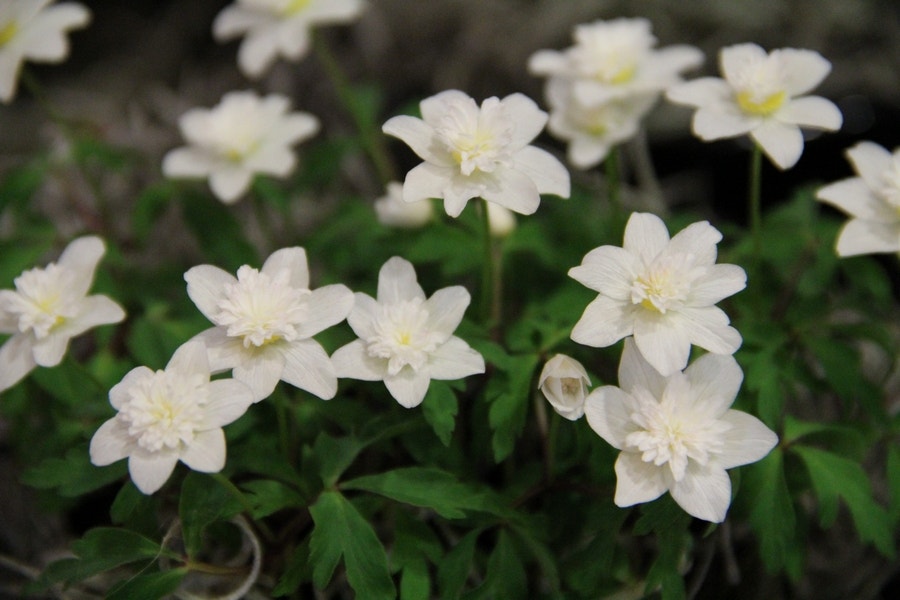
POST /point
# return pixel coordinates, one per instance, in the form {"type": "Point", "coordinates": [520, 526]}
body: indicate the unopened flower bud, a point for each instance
{"type": "Point", "coordinates": [565, 383]}
{"type": "Point", "coordinates": [392, 211]}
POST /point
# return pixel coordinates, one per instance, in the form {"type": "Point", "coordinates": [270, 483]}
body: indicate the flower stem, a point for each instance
{"type": "Point", "coordinates": [490, 289]}
{"type": "Point", "coordinates": [755, 211]}
{"type": "Point", "coordinates": [613, 180]}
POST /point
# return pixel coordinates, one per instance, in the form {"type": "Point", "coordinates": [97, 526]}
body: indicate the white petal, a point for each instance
{"type": "Point", "coordinates": [715, 380]}
{"type": "Point", "coordinates": [307, 366]}
{"type": "Point", "coordinates": [16, 360]}
{"type": "Point", "coordinates": [867, 237]}
{"type": "Point", "coordinates": [188, 162]}
{"type": "Point", "coordinates": [224, 352]}
{"type": "Point", "coordinates": [293, 260]}
{"type": "Point", "coordinates": [229, 184]}
{"type": "Point", "coordinates": [234, 21]}
{"type": "Point", "coordinates": [637, 481]}
{"type": "Point", "coordinates": [607, 412]}
{"type": "Point", "coordinates": [585, 152]}
{"type": "Point", "coordinates": [110, 443]}
{"type": "Point", "coordinates": [710, 125]}
{"type": "Point", "coordinates": [733, 60]}
{"type": "Point", "coordinates": [261, 369]}
{"type": "Point", "coordinates": [427, 181]}
{"type": "Point", "coordinates": [855, 197]}
{"type": "Point", "coordinates": [697, 239]}
{"type": "Point", "coordinates": [704, 492]}
{"type": "Point", "coordinates": [120, 393]}
{"type": "Point", "coordinates": [206, 452]}
{"type": "Point", "coordinates": [206, 287]}
{"type": "Point", "coordinates": [397, 282]}
{"type": "Point", "coordinates": [408, 387]}
{"type": "Point", "coordinates": [748, 440]}
{"type": "Point", "coordinates": [45, 36]}
{"type": "Point", "coordinates": [446, 308]}
{"type": "Point", "coordinates": [293, 41]}
{"type": "Point", "coordinates": [635, 371]}
{"type": "Point", "coordinates": [328, 306]}
{"type": "Point", "coordinates": [229, 399]}
{"type": "Point", "coordinates": [803, 69]}
{"type": "Point", "coordinates": [811, 111]}
{"type": "Point", "coordinates": [548, 174]}
{"type": "Point", "coordinates": [257, 53]}
{"type": "Point", "coordinates": [609, 270]}
{"type": "Point", "coordinates": [434, 107]}
{"type": "Point", "coordinates": [604, 322]}
{"type": "Point", "coordinates": [352, 361]}
{"type": "Point", "coordinates": [871, 162]}
{"type": "Point", "coordinates": [419, 136]}
{"type": "Point", "coordinates": [783, 144]}
{"type": "Point", "coordinates": [10, 64]}
{"type": "Point", "coordinates": [662, 340]}
{"type": "Point", "coordinates": [454, 359]}
{"type": "Point", "coordinates": [708, 328]}
{"type": "Point", "coordinates": [512, 189]}
{"type": "Point", "coordinates": [362, 317]}
{"type": "Point", "coordinates": [150, 471]}
{"type": "Point", "coordinates": [49, 352]}
{"type": "Point", "coordinates": [719, 281]}
{"type": "Point", "coordinates": [190, 359]}
{"type": "Point", "coordinates": [547, 62]}
{"type": "Point", "coordinates": [276, 160]}
{"type": "Point", "coordinates": [705, 91]}
{"type": "Point", "coordinates": [82, 256]}
{"type": "Point", "coordinates": [529, 120]}
{"type": "Point", "coordinates": [645, 236]}
{"type": "Point", "coordinates": [93, 311]}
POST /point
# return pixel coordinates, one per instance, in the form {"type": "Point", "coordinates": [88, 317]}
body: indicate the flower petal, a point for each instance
{"type": "Point", "coordinates": [854, 196]}
{"type": "Point", "coordinates": [257, 53]}
{"type": "Point", "coordinates": [188, 162]}
{"type": "Point", "coordinates": [545, 170]}
{"type": "Point", "coordinates": [637, 481]}
{"type": "Point", "coordinates": [261, 369]}
{"type": "Point", "coordinates": [707, 327]}
{"type": "Point", "coordinates": [734, 60]}
{"type": "Point", "coordinates": [635, 371]}
{"type": "Point", "coordinates": [528, 118]}
{"type": "Point", "coordinates": [709, 124]}
{"type": "Point", "coordinates": [434, 108]}
{"type": "Point", "coordinates": [120, 393]}
{"type": "Point", "coordinates": [782, 143]}
{"type": "Point", "coordinates": [705, 91]}
{"type": "Point", "coordinates": [803, 69]}
{"type": "Point", "coordinates": [604, 322]}
{"type": "Point", "coordinates": [698, 240]}
{"type": "Point", "coordinates": [16, 360]}
{"type": "Point", "coordinates": [454, 359]}
{"type": "Point", "coordinates": [293, 260]}
{"type": "Point", "coordinates": [645, 236]}
{"type": "Point", "coordinates": [206, 287]}
{"type": "Point", "coordinates": [49, 351]}
{"type": "Point", "coordinates": [811, 111]}
{"type": "Point", "coordinates": [512, 189]}
{"type": "Point", "coordinates": [223, 351]}
{"type": "Point", "coordinates": [446, 308]}
{"type": "Point", "coordinates": [228, 401]}
{"type": "Point", "coordinates": [607, 411]}
{"type": "Point", "coordinates": [719, 281]}
{"type": "Point", "coordinates": [149, 471]}
{"type": "Point", "coordinates": [328, 306]}
{"type": "Point", "coordinates": [867, 237]}
{"type": "Point", "coordinates": [93, 311]}
{"type": "Point", "coordinates": [110, 443]}
{"type": "Point", "coordinates": [704, 492]}
{"type": "Point", "coordinates": [354, 362]}
{"type": "Point", "coordinates": [229, 184]}
{"type": "Point", "coordinates": [82, 256]}
{"type": "Point", "coordinates": [609, 270]}
{"type": "Point", "coordinates": [662, 340]}
{"type": "Point", "coordinates": [427, 181]}
{"type": "Point", "coordinates": [190, 359]}
{"type": "Point", "coordinates": [362, 317]}
{"type": "Point", "coordinates": [397, 282]}
{"type": "Point", "coordinates": [408, 387]}
{"type": "Point", "coordinates": [307, 366]}
{"type": "Point", "coordinates": [714, 382]}
{"type": "Point", "coordinates": [871, 162]}
{"type": "Point", "coordinates": [206, 452]}
{"type": "Point", "coordinates": [419, 136]}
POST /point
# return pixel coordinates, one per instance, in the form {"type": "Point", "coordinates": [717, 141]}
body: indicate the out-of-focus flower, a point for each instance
{"type": "Point", "coordinates": [405, 339]}
{"type": "Point", "coordinates": [241, 136]}
{"type": "Point", "coordinates": [49, 307]}
{"type": "Point", "coordinates": [872, 200]}
{"type": "Point", "coordinates": [471, 151]}
{"type": "Point", "coordinates": [761, 95]}
{"type": "Point", "coordinates": [264, 322]}
{"type": "Point", "coordinates": [273, 28]}
{"type": "Point", "coordinates": [615, 59]}
{"type": "Point", "coordinates": [392, 211]}
{"type": "Point", "coordinates": [170, 415]}
{"type": "Point", "coordinates": [501, 220]}
{"type": "Point", "coordinates": [660, 290]}
{"type": "Point", "coordinates": [677, 433]}
{"type": "Point", "coordinates": [36, 31]}
{"type": "Point", "coordinates": [565, 384]}
{"type": "Point", "coordinates": [593, 130]}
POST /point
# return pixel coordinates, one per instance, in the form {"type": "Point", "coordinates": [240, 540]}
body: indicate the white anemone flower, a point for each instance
{"type": "Point", "coordinates": [677, 433]}
{"type": "Point", "coordinates": [761, 95]}
{"type": "Point", "coordinates": [591, 131]}
{"type": "Point", "coordinates": [872, 199]}
{"type": "Point", "coordinates": [170, 415]}
{"type": "Point", "coordinates": [241, 136]}
{"type": "Point", "coordinates": [50, 306]}
{"type": "Point", "coordinates": [615, 59]}
{"type": "Point", "coordinates": [405, 339]}
{"type": "Point", "coordinates": [392, 211]}
{"type": "Point", "coordinates": [273, 28]}
{"type": "Point", "coordinates": [34, 30]}
{"type": "Point", "coordinates": [264, 322]}
{"type": "Point", "coordinates": [660, 290]}
{"type": "Point", "coordinates": [471, 151]}
{"type": "Point", "coordinates": [565, 384]}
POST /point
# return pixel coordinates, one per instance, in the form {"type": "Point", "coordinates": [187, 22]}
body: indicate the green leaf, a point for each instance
{"type": "Point", "coordinates": [505, 576]}
{"type": "Point", "coordinates": [73, 475]}
{"type": "Point", "coordinates": [150, 586]}
{"type": "Point", "coordinates": [296, 572]}
{"type": "Point", "coordinates": [664, 574]}
{"type": "Point", "coordinates": [415, 583]}
{"type": "Point", "coordinates": [203, 502]}
{"type": "Point", "coordinates": [843, 372]}
{"type": "Point", "coordinates": [268, 497]}
{"type": "Point", "coordinates": [439, 409]}
{"type": "Point", "coordinates": [341, 531]}
{"type": "Point", "coordinates": [150, 204]}
{"type": "Point", "coordinates": [134, 510]}
{"type": "Point", "coordinates": [218, 232]}
{"type": "Point", "coordinates": [155, 335]}
{"type": "Point", "coordinates": [453, 570]}
{"type": "Point", "coordinates": [893, 477]}
{"type": "Point", "coordinates": [836, 477]}
{"type": "Point", "coordinates": [335, 455]}
{"type": "Point", "coordinates": [70, 383]}
{"type": "Point", "coordinates": [509, 392]}
{"type": "Point", "coordinates": [763, 376]}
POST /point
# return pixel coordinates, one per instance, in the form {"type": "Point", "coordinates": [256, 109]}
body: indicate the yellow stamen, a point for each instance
{"type": "Point", "coordinates": [765, 107]}
{"type": "Point", "coordinates": [295, 6]}
{"type": "Point", "coordinates": [617, 77]}
{"type": "Point", "coordinates": [8, 32]}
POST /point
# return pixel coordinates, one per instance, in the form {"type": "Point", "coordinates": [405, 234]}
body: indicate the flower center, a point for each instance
{"type": "Point", "coordinates": [262, 309]}
{"type": "Point", "coordinates": [165, 410]}
{"type": "Point", "coordinates": [610, 53]}
{"type": "Point", "coordinates": [477, 139]}
{"type": "Point", "coordinates": [665, 284]}
{"type": "Point", "coordinates": [43, 299]}
{"type": "Point", "coordinates": [759, 87]}
{"type": "Point", "coordinates": [763, 105]}
{"type": "Point", "coordinates": [402, 337]}
{"type": "Point", "coordinates": [8, 32]}
{"type": "Point", "coordinates": [571, 386]}
{"type": "Point", "coordinates": [295, 6]}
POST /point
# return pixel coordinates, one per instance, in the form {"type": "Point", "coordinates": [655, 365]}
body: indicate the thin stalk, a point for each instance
{"type": "Point", "coordinates": [754, 204]}
{"type": "Point", "coordinates": [613, 181]}
{"type": "Point", "coordinates": [488, 288]}
{"type": "Point", "coordinates": [244, 502]}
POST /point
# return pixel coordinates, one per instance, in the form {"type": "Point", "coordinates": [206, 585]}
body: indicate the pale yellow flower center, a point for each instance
{"type": "Point", "coordinates": [165, 410]}
{"type": "Point", "coordinates": [477, 138]}
{"type": "Point", "coordinates": [7, 32]}
{"type": "Point", "coordinates": [760, 105]}
{"type": "Point", "coordinates": [295, 6]}
{"type": "Point", "coordinates": [43, 299]}
{"type": "Point", "coordinates": [401, 335]}
{"type": "Point", "coordinates": [663, 285]}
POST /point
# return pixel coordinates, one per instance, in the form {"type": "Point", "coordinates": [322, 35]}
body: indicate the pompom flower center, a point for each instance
{"type": "Point", "coordinates": [477, 140]}
{"type": "Point", "coordinates": [402, 336]}
{"type": "Point", "coordinates": [262, 309]}
{"type": "Point", "coordinates": [165, 410]}
{"type": "Point", "coordinates": [760, 87]}
{"type": "Point", "coordinates": [43, 299]}
{"type": "Point", "coordinates": [665, 284]}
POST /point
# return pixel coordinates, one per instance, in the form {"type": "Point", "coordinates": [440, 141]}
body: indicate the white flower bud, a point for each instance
{"type": "Point", "coordinates": [501, 220]}
{"type": "Point", "coordinates": [565, 383]}
{"type": "Point", "coordinates": [392, 211]}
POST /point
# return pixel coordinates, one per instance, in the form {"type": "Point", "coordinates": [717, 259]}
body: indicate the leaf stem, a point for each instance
{"type": "Point", "coordinates": [613, 181]}
{"type": "Point", "coordinates": [754, 203]}
{"type": "Point", "coordinates": [490, 286]}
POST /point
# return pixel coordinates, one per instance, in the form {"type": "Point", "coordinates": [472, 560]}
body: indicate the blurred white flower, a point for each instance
{"type": "Point", "coordinates": [565, 384]}
{"type": "Point", "coordinates": [761, 95]}
{"type": "Point", "coordinates": [471, 151]}
{"type": "Point", "coordinates": [392, 211]}
{"type": "Point", "coordinates": [264, 322]}
{"type": "Point", "coordinates": [35, 31]}
{"type": "Point", "coordinates": [677, 433]}
{"type": "Point", "coordinates": [872, 200]}
{"type": "Point", "coordinates": [405, 339]}
{"type": "Point", "coordinates": [615, 59]}
{"type": "Point", "coordinates": [501, 220]}
{"type": "Point", "coordinates": [243, 135]}
{"type": "Point", "coordinates": [170, 415]}
{"type": "Point", "coordinates": [593, 130]}
{"type": "Point", "coordinates": [660, 290]}
{"type": "Point", "coordinates": [50, 306]}
{"type": "Point", "coordinates": [273, 28]}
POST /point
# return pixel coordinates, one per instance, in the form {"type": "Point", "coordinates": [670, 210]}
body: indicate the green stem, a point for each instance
{"type": "Point", "coordinates": [487, 273]}
{"type": "Point", "coordinates": [612, 180]}
{"type": "Point", "coordinates": [754, 203]}
{"type": "Point", "coordinates": [244, 502]}
{"type": "Point", "coordinates": [263, 219]}
{"type": "Point", "coordinates": [30, 83]}
{"type": "Point", "coordinates": [370, 135]}
{"type": "Point", "coordinates": [281, 411]}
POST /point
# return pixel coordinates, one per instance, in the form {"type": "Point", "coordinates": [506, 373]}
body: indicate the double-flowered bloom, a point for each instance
{"type": "Point", "coordinates": [662, 291]}
{"type": "Point", "coordinates": [406, 339]}
{"type": "Point", "coordinates": [241, 136]}
{"type": "Point", "coordinates": [50, 306]}
{"type": "Point", "coordinates": [763, 95]}
{"type": "Point", "coordinates": [872, 199]}
{"type": "Point", "coordinates": [264, 322]}
{"type": "Point", "coordinates": [482, 151]}
{"type": "Point", "coordinates": [34, 30]}
{"type": "Point", "coordinates": [170, 415]}
{"type": "Point", "coordinates": [677, 433]}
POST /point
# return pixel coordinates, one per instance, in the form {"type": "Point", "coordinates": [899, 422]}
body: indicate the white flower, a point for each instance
{"type": "Point", "coordinates": [471, 151]}
{"type": "Point", "coordinates": [33, 30]}
{"type": "Point", "coordinates": [405, 339]}
{"type": "Point", "coordinates": [593, 130]}
{"type": "Point", "coordinates": [501, 220]}
{"type": "Point", "coordinates": [243, 135]}
{"type": "Point", "coordinates": [872, 200]}
{"type": "Point", "coordinates": [264, 321]}
{"type": "Point", "coordinates": [565, 384]}
{"type": "Point", "coordinates": [278, 28]}
{"type": "Point", "coordinates": [392, 211]}
{"type": "Point", "coordinates": [170, 415]}
{"type": "Point", "coordinates": [761, 95]}
{"type": "Point", "coordinates": [615, 59]}
{"type": "Point", "coordinates": [677, 433]}
{"type": "Point", "coordinates": [49, 307]}
{"type": "Point", "coordinates": [661, 291]}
